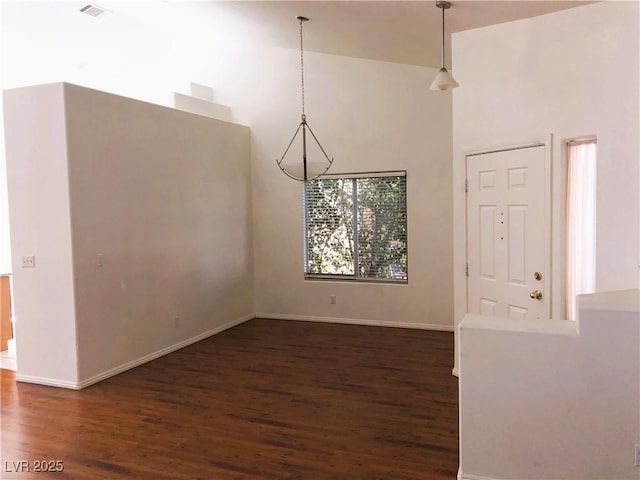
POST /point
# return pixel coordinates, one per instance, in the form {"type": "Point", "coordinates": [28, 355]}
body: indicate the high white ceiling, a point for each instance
{"type": "Point", "coordinates": [396, 31]}
{"type": "Point", "coordinates": [156, 42]}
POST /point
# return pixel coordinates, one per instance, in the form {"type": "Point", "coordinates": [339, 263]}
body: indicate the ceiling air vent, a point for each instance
{"type": "Point", "coordinates": [92, 10]}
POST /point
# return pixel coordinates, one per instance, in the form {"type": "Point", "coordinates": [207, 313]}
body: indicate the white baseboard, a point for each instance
{"type": "Point", "coordinates": [463, 476]}
{"type": "Point", "coordinates": [49, 382]}
{"type": "Point", "coordinates": [134, 363]}
{"type": "Point", "coordinates": [455, 372]}
{"type": "Point", "coordinates": [356, 321]}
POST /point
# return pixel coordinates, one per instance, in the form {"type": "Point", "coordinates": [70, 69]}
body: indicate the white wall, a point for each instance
{"type": "Point", "coordinates": [139, 49]}
{"type": "Point", "coordinates": [5, 242]}
{"type": "Point", "coordinates": [552, 399]}
{"type": "Point", "coordinates": [164, 196]}
{"type": "Point", "coordinates": [370, 116]}
{"type": "Point", "coordinates": [571, 73]}
{"type": "Point", "coordinates": [37, 173]}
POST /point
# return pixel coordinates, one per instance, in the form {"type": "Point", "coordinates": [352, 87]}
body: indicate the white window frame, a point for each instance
{"type": "Point", "coordinates": [403, 276]}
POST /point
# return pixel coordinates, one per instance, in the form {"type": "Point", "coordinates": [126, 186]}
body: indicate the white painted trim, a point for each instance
{"type": "Point", "coordinates": [463, 476]}
{"type": "Point", "coordinates": [134, 363]}
{"type": "Point", "coordinates": [548, 225]}
{"type": "Point", "coordinates": [505, 148]}
{"type": "Point", "coordinates": [455, 372]}
{"type": "Point", "coordinates": [356, 321]}
{"type": "Point", "coordinates": [537, 142]}
{"type": "Point", "coordinates": [49, 382]}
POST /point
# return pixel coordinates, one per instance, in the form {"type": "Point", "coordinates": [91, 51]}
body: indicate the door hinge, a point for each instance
{"type": "Point", "coordinates": [466, 269]}
{"type": "Point", "coordinates": [466, 186]}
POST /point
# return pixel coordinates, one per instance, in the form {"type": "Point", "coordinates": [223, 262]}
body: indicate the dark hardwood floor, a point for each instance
{"type": "Point", "coordinates": [265, 400]}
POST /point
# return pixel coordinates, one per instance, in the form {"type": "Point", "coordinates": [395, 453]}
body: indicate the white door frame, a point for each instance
{"type": "Point", "coordinates": [461, 235]}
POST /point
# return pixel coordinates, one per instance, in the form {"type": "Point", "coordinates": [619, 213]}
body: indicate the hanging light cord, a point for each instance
{"type": "Point", "coordinates": [443, 9]}
{"type": "Point", "coordinates": [302, 69]}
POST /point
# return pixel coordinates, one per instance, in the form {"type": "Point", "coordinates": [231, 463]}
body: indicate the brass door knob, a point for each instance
{"type": "Point", "coordinates": [537, 294]}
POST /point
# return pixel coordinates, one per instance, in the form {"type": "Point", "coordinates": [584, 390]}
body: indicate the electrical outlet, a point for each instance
{"type": "Point", "coordinates": [332, 299]}
{"type": "Point", "coordinates": [637, 463]}
{"type": "Point", "coordinates": [28, 261]}
{"type": "Point", "coordinates": [176, 322]}
{"type": "Point", "coordinates": [100, 260]}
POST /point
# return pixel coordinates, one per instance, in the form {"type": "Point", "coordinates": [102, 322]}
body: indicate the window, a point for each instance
{"type": "Point", "coordinates": [356, 227]}
{"type": "Point", "coordinates": [581, 221]}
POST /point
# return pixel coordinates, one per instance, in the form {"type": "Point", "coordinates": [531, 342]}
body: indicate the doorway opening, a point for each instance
{"type": "Point", "coordinates": [580, 221]}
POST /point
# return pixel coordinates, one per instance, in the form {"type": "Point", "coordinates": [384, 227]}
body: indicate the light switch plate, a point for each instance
{"type": "Point", "coordinates": [28, 261]}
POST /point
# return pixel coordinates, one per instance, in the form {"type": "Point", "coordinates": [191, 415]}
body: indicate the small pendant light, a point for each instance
{"type": "Point", "coordinates": [304, 170]}
{"type": "Point", "coordinates": [444, 80]}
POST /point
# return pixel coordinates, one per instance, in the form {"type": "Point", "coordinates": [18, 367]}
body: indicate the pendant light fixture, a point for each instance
{"type": "Point", "coordinates": [444, 80]}
{"type": "Point", "coordinates": [302, 169]}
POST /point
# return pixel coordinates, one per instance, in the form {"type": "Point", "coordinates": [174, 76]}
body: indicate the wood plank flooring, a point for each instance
{"type": "Point", "coordinates": [265, 400]}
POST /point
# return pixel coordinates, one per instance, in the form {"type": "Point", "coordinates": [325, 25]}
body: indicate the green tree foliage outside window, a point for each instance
{"type": "Point", "coordinates": [356, 227]}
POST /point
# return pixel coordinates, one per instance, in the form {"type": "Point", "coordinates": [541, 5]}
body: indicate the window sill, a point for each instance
{"type": "Point", "coordinates": [346, 279]}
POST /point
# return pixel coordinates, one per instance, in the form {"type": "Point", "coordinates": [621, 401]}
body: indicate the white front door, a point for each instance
{"type": "Point", "coordinates": [507, 248]}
